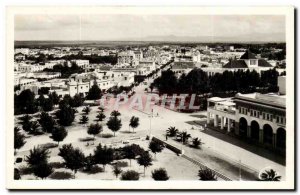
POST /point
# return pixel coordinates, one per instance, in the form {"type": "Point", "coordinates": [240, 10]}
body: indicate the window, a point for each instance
{"type": "Point", "coordinates": [252, 62]}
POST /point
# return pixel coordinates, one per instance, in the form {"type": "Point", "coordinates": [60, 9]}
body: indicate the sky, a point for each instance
{"type": "Point", "coordinates": [150, 27]}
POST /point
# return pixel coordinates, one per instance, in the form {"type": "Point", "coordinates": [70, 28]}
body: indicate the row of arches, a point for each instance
{"type": "Point", "coordinates": [267, 133]}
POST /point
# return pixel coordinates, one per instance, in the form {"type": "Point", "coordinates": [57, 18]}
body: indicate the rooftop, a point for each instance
{"type": "Point", "coordinates": [270, 99]}
{"type": "Point", "coordinates": [248, 55]}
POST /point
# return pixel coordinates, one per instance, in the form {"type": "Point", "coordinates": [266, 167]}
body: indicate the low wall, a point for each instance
{"type": "Point", "coordinates": [169, 146]}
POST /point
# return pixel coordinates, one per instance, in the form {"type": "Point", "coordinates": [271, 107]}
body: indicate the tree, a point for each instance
{"type": "Point", "coordinates": [197, 142]}
{"type": "Point", "coordinates": [167, 83]}
{"type": "Point", "coordinates": [65, 115]}
{"type": "Point", "coordinates": [151, 87]}
{"type": "Point", "coordinates": [42, 170]}
{"type": "Point", "coordinates": [160, 174]}
{"type": "Point", "coordinates": [47, 122]}
{"type": "Point", "coordinates": [134, 122]}
{"type": "Point", "coordinates": [172, 131]}
{"type": "Point", "coordinates": [94, 129]}
{"type": "Point", "coordinates": [89, 162]}
{"type": "Point", "coordinates": [74, 158]}
{"type": "Point", "coordinates": [59, 133]}
{"type": "Point", "coordinates": [25, 102]}
{"type": "Point", "coordinates": [76, 101]}
{"type": "Point", "coordinates": [115, 113]}
{"type": "Point", "coordinates": [270, 175]}
{"type": "Point", "coordinates": [184, 136]}
{"type": "Point", "coordinates": [155, 147]}
{"type": "Point", "coordinates": [117, 170]}
{"type": "Point", "coordinates": [19, 139]}
{"type": "Point", "coordinates": [84, 119]}
{"type": "Point", "coordinates": [130, 175]}
{"type": "Point", "coordinates": [114, 124]}
{"type": "Point", "coordinates": [47, 105]}
{"type": "Point", "coordinates": [145, 160]}
{"type": "Point", "coordinates": [94, 92]}
{"type": "Point", "coordinates": [101, 116]}
{"type": "Point", "coordinates": [86, 110]}
{"type": "Point", "coordinates": [207, 175]}
{"type": "Point", "coordinates": [101, 109]}
{"type": "Point", "coordinates": [37, 155]}
{"type": "Point", "coordinates": [26, 123]}
{"type": "Point", "coordinates": [17, 175]}
{"type": "Point", "coordinates": [103, 155]}
{"type": "Point", "coordinates": [54, 97]}
{"type": "Point", "coordinates": [132, 151]}
{"type": "Point", "coordinates": [34, 126]}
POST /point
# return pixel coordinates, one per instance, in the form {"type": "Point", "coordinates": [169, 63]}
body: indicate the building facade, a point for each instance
{"type": "Point", "coordinates": [259, 118]}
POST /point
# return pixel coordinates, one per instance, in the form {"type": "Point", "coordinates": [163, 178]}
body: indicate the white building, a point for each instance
{"type": "Point", "coordinates": [260, 118]}
{"type": "Point", "coordinates": [24, 51]}
{"type": "Point", "coordinates": [30, 67]}
{"type": "Point", "coordinates": [81, 63]}
{"type": "Point", "coordinates": [247, 61]}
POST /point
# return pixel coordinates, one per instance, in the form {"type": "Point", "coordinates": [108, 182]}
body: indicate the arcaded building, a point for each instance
{"type": "Point", "coordinates": [259, 118]}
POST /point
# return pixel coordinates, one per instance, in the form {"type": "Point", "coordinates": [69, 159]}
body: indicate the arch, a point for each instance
{"type": "Point", "coordinates": [281, 138]}
{"type": "Point", "coordinates": [268, 134]}
{"type": "Point", "coordinates": [243, 125]}
{"type": "Point", "coordinates": [254, 130]}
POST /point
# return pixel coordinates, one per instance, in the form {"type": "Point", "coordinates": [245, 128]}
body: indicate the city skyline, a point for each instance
{"type": "Point", "coordinates": [177, 28]}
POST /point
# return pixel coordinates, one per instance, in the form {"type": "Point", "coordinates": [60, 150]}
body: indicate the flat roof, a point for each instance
{"type": "Point", "coordinates": [270, 99]}
{"type": "Point", "coordinates": [216, 99]}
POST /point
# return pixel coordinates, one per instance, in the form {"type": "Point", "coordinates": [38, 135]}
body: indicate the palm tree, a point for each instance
{"type": "Point", "coordinates": [101, 109]}
{"type": "Point", "coordinates": [184, 136]}
{"type": "Point", "coordinates": [117, 170]}
{"type": "Point", "coordinates": [86, 110]}
{"type": "Point", "coordinates": [101, 116]}
{"type": "Point", "coordinates": [197, 142]}
{"type": "Point", "coordinates": [172, 131]}
{"type": "Point", "coordinates": [269, 175]}
{"type": "Point", "coordinates": [84, 119]}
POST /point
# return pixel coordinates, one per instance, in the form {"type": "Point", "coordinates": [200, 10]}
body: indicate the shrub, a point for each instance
{"type": "Point", "coordinates": [57, 165]}
{"type": "Point", "coordinates": [207, 175]}
{"type": "Point", "coordinates": [106, 135]}
{"type": "Point", "coordinates": [160, 174]}
{"type": "Point", "coordinates": [130, 175]}
{"type": "Point", "coordinates": [121, 164]}
{"type": "Point", "coordinates": [60, 175]}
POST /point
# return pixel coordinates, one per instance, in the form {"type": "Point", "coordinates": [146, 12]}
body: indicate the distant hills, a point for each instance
{"type": "Point", "coordinates": [275, 37]}
{"type": "Point", "coordinates": [257, 38]}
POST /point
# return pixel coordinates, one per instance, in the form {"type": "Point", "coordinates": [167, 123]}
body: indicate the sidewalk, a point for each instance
{"type": "Point", "coordinates": [215, 161]}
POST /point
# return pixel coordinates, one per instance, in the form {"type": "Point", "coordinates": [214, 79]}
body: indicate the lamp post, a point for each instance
{"type": "Point", "coordinates": [150, 117]}
{"type": "Point", "coordinates": [240, 170]}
